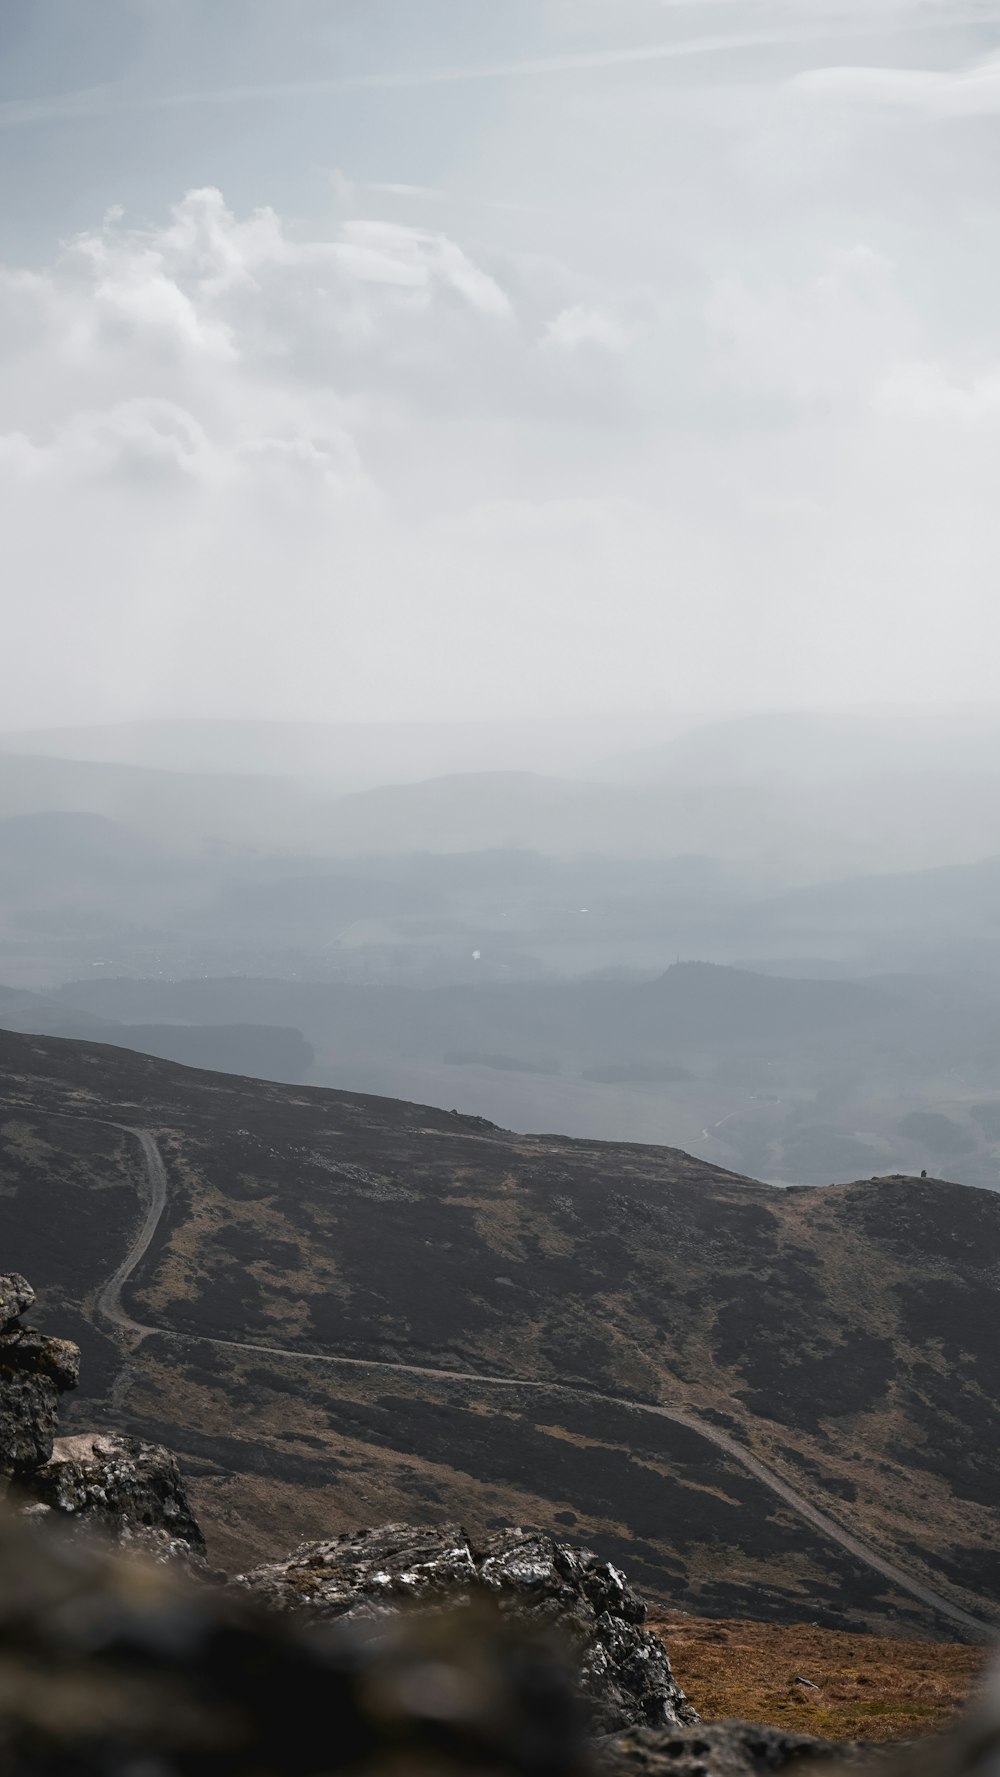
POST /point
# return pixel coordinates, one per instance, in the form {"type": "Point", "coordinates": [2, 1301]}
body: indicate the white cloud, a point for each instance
{"type": "Point", "coordinates": [581, 326]}
{"type": "Point", "coordinates": [134, 441]}
{"type": "Point", "coordinates": [826, 338]}
{"type": "Point", "coordinates": [320, 471]}
{"type": "Point", "coordinates": [927, 391]}
{"type": "Point", "coordinates": [966, 92]}
{"type": "Point", "coordinates": [414, 259]}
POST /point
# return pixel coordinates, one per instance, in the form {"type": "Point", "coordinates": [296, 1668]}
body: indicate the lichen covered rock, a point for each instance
{"type": "Point", "coordinates": [38, 1354]}
{"type": "Point", "coordinates": [624, 1673]}
{"type": "Point", "coordinates": [127, 1488]}
{"type": "Point", "coordinates": [124, 1488]}
{"type": "Point", "coordinates": [16, 1297]}
{"type": "Point", "coordinates": [34, 1371]}
{"type": "Point", "coordinates": [29, 1419]}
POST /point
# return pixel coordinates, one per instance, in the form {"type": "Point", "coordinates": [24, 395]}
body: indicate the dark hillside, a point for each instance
{"type": "Point", "coordinates": [845, 1335]}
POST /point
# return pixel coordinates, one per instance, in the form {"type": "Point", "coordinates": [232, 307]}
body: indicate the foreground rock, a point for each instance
{"type": "Point", "coordinates": [722, 1749]}
{"type": "Point", "coordinates": [624, 1673]}
{"type": "Point", "coordinates": [34, 1371]}
{"type": "Point", "coordinates": [112, 1667]}
{"type": "Point", "coordinates": [16, 1297]}
{"type": "Point", "coordinates": [115, 1667]}
{"type": "Point", "coordinates": [126, 1489]}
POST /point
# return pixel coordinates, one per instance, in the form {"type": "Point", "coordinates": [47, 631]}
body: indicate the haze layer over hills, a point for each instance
{"type": "Point", "coordinates": [787, 800]}
{"type": "Point", "coordinates": [504, 938]}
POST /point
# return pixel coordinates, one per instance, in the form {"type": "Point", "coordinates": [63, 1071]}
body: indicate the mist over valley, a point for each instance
{"type": "Point", "coordinates": [642, 956]}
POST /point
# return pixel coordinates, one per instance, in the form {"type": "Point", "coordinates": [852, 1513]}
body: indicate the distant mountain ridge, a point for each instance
{"type": "Point", "coordinates": [352, 755]}
{"type": "Point", "coordinates": [822, 746]}
{"type": "Point", "coordinates": [774, 830]}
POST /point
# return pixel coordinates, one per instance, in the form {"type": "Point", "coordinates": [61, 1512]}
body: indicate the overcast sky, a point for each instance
{"type": "Point", "coordinates": [421, 358]}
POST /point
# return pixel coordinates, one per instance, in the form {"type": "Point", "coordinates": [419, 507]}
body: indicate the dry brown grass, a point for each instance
{"type": "Point", "coordinates": [869, 1687]}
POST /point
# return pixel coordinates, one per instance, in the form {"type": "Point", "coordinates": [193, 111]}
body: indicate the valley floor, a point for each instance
{"type": "Point", "coordinates": [868, 1687]}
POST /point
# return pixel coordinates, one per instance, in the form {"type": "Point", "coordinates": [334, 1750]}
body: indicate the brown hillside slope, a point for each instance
{"type": "Point", "coordinates": [846, 1335]}
{"type": "Point", "coordinates": [819, 1681]}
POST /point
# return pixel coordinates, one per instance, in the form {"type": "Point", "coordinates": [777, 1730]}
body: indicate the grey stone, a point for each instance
{"type": "Point", "coordinates": [22, 1348]}
{"type": "Point", "coordinates": [131, 1490]}
{"type": "Point", "coordinates": [720, 1749]}
{"type": "Point", "coordinates": [16, 1297]}
{"type": "Point", "coordinates": [623, 1672]}
{"type": "Point", "coordinates": [29, 1419]}
{"type": "Point", "coordinates": [34, 1371]}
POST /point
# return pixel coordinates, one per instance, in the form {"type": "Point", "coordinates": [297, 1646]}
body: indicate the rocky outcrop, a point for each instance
{"type": "Point", "coordinates": [109, 1671]}
{"type": "Point", "coordinates": [721, 1749]}
{"type": "Point", "coordinates": [34, 1371]}
{"type": "Point", "coordinates": [123, 1486]}
{"type": "Point", "coordinates": [623, 1672]}
{"type": "Point", "coordinates": [127, 1489]}
{"type": "Point", "coordinates": [16, 1297]}
{"type": "Point", "coordinates": [518, 1654]}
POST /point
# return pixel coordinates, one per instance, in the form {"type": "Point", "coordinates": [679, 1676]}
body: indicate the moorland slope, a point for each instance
{"type": "Point", "coordinates": [318, 1261]}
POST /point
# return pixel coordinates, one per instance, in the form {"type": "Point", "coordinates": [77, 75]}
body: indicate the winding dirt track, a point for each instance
{"type": "Point", "coordinates": [109, 1304]}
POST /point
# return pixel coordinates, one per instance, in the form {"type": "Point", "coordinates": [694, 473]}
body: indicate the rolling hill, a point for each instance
{"type": "Point", "coordinates": [345, 1309]}
{"type": "Point", "coordinates": [351, 755]}
{"type": "Point", "coordinates": [774, 828]}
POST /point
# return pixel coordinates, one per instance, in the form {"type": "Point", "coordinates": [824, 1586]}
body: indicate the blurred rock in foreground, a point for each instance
{"type": "Point", "coordinates": [112, 1665]}
{"type": "Point", "coordinates": [623, 1670]}
{"type": "Point", "coordinates": [724, 1749]}
{"type": "Point", "coordinates": [115, 1666]}
{"type": "Point", "coordinates": [394, 1652]}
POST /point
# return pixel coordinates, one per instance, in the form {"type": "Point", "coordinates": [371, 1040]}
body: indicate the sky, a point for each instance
{"type": "Point", "coordinates": [368, 360]}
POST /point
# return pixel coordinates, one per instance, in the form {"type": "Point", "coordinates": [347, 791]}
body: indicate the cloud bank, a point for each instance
{"type": "Point", "coordinates": [641, 404]}
{"type": "Point", "coordinates": [966, 92]}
